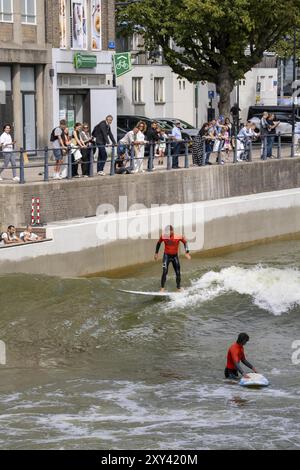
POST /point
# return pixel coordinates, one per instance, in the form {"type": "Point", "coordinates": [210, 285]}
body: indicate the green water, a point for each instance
{"type": "Point", "coordinates": [90, 368]}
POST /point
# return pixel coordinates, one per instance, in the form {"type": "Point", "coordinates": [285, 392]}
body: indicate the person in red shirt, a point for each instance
{"type": "Point", "coordinates": [172, 242]}
{"type": "Point", "coordinates": [236, 355]}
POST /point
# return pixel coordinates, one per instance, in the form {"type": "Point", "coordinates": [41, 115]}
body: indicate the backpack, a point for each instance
{"type": "Point", "coordinates": [53, 137]}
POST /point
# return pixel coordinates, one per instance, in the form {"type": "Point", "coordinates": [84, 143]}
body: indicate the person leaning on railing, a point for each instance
{"type": "Point", "coordinates": [10, 237]}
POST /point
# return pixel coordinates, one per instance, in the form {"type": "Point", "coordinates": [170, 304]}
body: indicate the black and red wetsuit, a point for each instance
{"type": "Point", "coordinates": [171, 256]}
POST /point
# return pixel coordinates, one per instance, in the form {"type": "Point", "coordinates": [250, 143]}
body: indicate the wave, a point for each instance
{"type": "Point", "coordinates": [271, 289]}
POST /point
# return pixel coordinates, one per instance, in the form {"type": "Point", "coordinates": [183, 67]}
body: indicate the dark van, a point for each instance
{"type": "Point", "coordinates": [282, 113]}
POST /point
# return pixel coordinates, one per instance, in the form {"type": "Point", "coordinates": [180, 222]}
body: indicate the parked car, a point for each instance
{"type": "Point", "coordinates": [284, 114]}
{"type": "Point", "coordinates": [187, 128]}
{"type": "Point", "coordinates": [128, 122]}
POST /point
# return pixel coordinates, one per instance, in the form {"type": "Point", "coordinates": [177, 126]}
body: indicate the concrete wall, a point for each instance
{"type": "Point", "coordinates": [84, 247]}
{"type": "Point", "coordinates": [81, 198]}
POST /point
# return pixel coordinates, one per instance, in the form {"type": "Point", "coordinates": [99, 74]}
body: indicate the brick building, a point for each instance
{"type": "Point", "coordinates": [82, 33]}
{"type": "Point", "coordinates": [55, 62]}
{"type": "Point", "coordinates": [25, 60]}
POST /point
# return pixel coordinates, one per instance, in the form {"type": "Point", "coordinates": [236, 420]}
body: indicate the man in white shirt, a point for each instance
{"type": "Point", "coordinates": [7, 149]}
{"type": "Point", "coordinates": [10, 237]}
{"type": "Point", "coordinates": [28, 236]}
{"type": "Point", "coordinates": [177, 137]}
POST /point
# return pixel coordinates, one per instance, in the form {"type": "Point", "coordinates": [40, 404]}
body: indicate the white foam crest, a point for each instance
{"type": "Point", "coordinates": [272, 289]}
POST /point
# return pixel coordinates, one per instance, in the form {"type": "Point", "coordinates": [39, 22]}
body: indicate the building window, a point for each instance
{"type": "Point", "coordinates": [78, 24]}
{"type": "Point", "coordinates": [159, 92]}
{"type": "Point", "coordinates": [6, 11]}
{"type": "Point", "coordinates": [29, 11]}
{"type": "Point", "coordinates": [137, 94]}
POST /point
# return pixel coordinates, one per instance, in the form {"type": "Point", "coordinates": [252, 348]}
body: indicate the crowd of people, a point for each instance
{"type": "Point", "coordinates": [218, 137]}
{"type": "Point", "coordinates": [10, 237]}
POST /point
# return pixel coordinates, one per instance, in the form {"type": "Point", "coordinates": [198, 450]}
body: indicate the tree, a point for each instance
{"type": "Point", "coordinates": [211, 40]}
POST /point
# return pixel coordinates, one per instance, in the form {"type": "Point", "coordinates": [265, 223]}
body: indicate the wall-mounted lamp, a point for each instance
{"type": "Point", "coordinates": [51, 73]}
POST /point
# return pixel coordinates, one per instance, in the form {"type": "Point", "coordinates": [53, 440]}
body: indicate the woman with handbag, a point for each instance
{"type": "Point", "coordinates": [77, 146]}
{"type": "Point", "coordinates": [87, 139]}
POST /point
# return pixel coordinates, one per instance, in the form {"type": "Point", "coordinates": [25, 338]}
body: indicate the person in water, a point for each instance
{"type": "Point", "coordinates": [171, 241]}
{"type": "Point", "coordinates": [236, 355]}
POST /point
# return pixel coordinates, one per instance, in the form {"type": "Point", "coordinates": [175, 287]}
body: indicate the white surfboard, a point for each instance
{"type": "Point", "coordinates": [166, 295]}
{"type": "Point", "coordinates": [254, 381]}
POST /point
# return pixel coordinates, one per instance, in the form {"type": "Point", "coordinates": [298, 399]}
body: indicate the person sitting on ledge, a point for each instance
{"type": "Point", "coordinates": [10, 237]}
{"type": "Point", "coordinates": [29, 237]}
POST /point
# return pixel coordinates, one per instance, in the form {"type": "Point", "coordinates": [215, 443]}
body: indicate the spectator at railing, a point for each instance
{"type": "Point", "coordinates": [245, 136]}
{"type": "Point", "coordinates": [78, 145]}
{"type": "Point", "coordinates": [199, 143]}
{"type": "Point", "coordinates": [88, 141]}
{"type": "Point", "coordinates": [10, 237]}
{"type": "Point", "coordinates": [103, 136]}
{"type": "Point", "coordinates": [271, 129]}
{"type": "Point", "coordinates": [28, 236]}
{"type": "Point", "coordinates": [177, 138]}
{"type": "Point", "coordinates": [7, 150]}
{"type": "Point", "coordinates": [58, 141]}
{"type": "Point", "coordinates": [264, 133]}
{"type": "Point", "coordinates": [162, 145]}
{"type": "Point", "coordinates": [153, 138]}
{"type": "Point", "coordinates": [139, 147]}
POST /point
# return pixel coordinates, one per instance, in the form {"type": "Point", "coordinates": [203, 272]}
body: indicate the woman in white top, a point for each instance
{"type": "Point", "coordinates": [7, 150]}
{"type": "Point", "coordinates": [139, 148]}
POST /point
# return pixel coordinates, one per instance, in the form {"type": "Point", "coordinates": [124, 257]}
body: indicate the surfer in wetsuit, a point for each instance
{"type": "Point", "coordinates": [236, 355]}
{"type": "Point", "coordinates": [171, 241]}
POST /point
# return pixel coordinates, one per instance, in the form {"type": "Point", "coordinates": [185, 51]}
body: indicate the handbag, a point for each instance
{"type": "Point", "coordinates": [76, 154]}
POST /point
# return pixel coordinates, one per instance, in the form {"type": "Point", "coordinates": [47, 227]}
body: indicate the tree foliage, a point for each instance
{"type": "Point", "coordinates": [217, 41]}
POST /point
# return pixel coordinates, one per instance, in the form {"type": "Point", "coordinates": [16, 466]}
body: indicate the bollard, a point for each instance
{"type": "Point", "coordinates": [22, 169]}
{"type": "Point", "coordinates": [186, 159]}
{"type": "Point", "coordinates": [70, 166]}
{"type": "Point", "coordinates": [35, 211]}
{"type": "Point", "coordinates": [46, 164]}
{"type": "Point", "coordinates": [113, 159]}
{"type": "Point", "coordinates": [279, 146]}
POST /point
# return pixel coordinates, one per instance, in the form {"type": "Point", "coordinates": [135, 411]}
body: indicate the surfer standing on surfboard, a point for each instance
{"type": "Point", "coordinates": [171, 241]}
{"type": "Point", "coordinates": [235, 355]}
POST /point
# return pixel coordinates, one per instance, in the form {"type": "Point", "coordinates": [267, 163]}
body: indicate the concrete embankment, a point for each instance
{"type": "Point", "coordinates": [81, 198]}
{"type": "Point", "coordinates": [106, 242]}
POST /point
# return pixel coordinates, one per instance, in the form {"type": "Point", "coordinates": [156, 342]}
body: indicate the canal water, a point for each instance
{"type": "Point", "coordinates": [91, 368]}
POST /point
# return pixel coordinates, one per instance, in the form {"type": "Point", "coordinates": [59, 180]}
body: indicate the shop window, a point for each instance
{"type": "Point", "coordinates": [6, 11]}
{"type": "Point", "coordinates": [29, 11]}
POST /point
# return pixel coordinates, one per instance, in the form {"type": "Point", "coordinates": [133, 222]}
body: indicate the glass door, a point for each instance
{"type": "Point", "coordinates": [29, 122]}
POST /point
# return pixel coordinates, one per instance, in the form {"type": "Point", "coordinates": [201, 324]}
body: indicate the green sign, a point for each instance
{"type": "Point", "coordinates": [85, 61]}
{"type": "Point", "coordinates": [122, 63]}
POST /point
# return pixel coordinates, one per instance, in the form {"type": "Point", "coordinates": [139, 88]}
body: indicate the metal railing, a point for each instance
{"type": "Point", "coordinates": [176, 151]}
